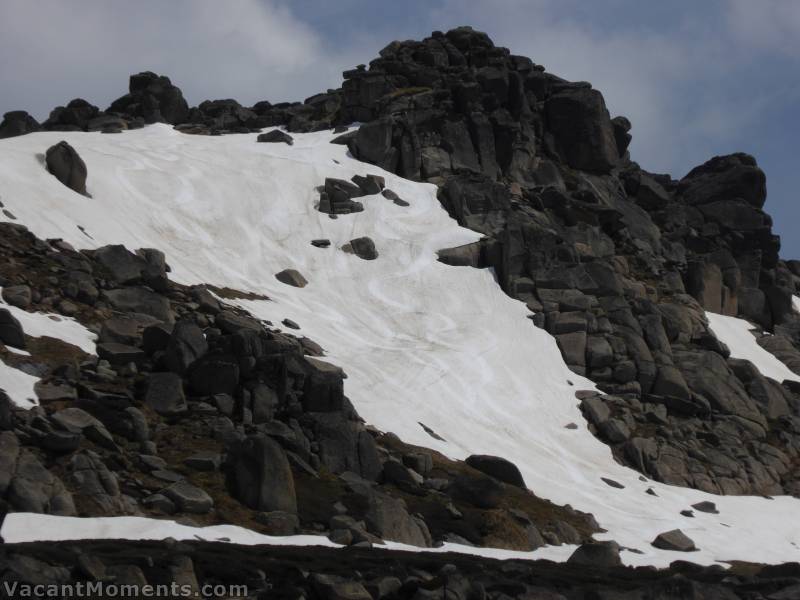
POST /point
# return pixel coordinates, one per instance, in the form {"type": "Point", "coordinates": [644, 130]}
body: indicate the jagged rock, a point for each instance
{"type": "Point", "coordinates": [582, 128]}
{"type": "Point", "coordinates": [123, 265]}
{"type": "Point", "coordinates": [725, 178]}
{"type": "Point", "coordinates": [362, 247]}
{"type": "Point", "coordinates": [497, 467]}
{"type": "Point", "coordinates": [291, 277]}
{"type": "Point", "coordinates": [75, 420]}
{"type": "Point", "coordinates": [369, 184]}
{"type": "Point", "coordinates": [258, 474]}
{"type": "Point", "coordinates": [67, 166]}
{"type": "Point", "coordinates": [165, 394]}
{"type": "Point", "coordinates": [674, 540]}
{"type": "Point", "coordinates": [186, 344]}
{"type": "Point", "coordinates": [11, 332]}
{"type": "Point", "coordinates": [276, 136]}
{"type": "Point", "coordinates": [126, 329]}
{"type": "Point", "coordinates": [152, 98]}
{"type": "Point", "coordinates": [17, 122]}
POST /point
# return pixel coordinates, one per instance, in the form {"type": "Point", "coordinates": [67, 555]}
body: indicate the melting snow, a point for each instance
{"type": "Point", "coordinates": [737, 334]}
{"type": "Point", "coordinates": [420, 341]}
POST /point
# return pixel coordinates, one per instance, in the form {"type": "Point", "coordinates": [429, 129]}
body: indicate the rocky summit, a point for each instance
{"type": "Point", "coordinates": [158, 394]}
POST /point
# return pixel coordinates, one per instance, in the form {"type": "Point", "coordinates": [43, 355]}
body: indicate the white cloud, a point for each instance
{"type": "Point", "coordinates": [772, 25]}
{"type": "Point", "coordinates": [249, 49]}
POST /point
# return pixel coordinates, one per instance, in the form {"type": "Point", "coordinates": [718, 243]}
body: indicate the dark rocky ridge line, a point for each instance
{"type": "Point", "coordinates": [372, 574]}
{"type": "Point", "coordinates": [195, 411]}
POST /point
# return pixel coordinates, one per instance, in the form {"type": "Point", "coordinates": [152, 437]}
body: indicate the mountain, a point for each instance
{"type": "Point", "coordinates": [437, 308]}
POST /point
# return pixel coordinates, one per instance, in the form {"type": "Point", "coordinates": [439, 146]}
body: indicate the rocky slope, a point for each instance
{"type": "Point", "coordinates": [193, 408]}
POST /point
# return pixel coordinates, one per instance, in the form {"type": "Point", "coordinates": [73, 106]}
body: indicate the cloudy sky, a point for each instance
{"type": "Point", "coordinates": [695, 78]}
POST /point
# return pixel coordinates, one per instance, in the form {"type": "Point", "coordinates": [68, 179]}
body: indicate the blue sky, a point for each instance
{"type": "Point", "coordinates": [695, 78]}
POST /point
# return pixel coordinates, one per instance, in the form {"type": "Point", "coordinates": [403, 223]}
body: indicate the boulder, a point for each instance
{"type": "Point", "coordinates": [120, 354]}
{"type": "Point", "coordinates": [725, 178]}
{"type": "Point", "coordinates": [362, 247]}
{"type": "Point", "coordinates": [596, 554]}
{"type": "Point", "coordinates": [186, 344]}
{"type": "Point", "coordinates": [674, 540]}
{"type": "Point", "coordinates": [276, 136]}
{"type": "Point", "coordinates": [258, 475]}
{"type": "Point", "coordinates": [122, 265]}
{"type": "Point", "coordinates": [140, 300]}
{"type": "Point", "coordinates": [165, 394]}
{"type": "Point", "coordinates": [11, 332]}
{"type": "Point", "coordinates": [67, 166]}
{"type": "Point", "coordinates": [18, 295]}
{"type": "Point", "coordinates": [76, 420]}
{"type": "Point", "coordinates": [499, 468]}
{"type": "Point", "coordinates": [369, 184]}
{"type": "Point", "coordinates": [291, 277]}
{"type": "Point", "coordinates": [189, 498]}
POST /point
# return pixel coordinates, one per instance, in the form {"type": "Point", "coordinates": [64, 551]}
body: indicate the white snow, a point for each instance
{"type": "Point", "coordinates": [420, 341]}
{"type": "Point", "coordinates": [66, 329]}
{"type": "Point", "coordinates": [796, 303]}
{"type": "Point", "coordinates": [19, 385]}
{"type": "Point", "coordinates": [19, 528]}
{"type": "Point", "coordinates": [737, 334]}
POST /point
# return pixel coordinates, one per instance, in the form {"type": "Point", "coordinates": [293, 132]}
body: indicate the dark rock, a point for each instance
{"type": "Point", "coordinates": [276, 136]}
{"type": "Point", "coordinates": [18, 295]}
{"type": "Point", "coordinates": [362, 247]}
{"type": "Point", "coordinates": [17, 122]}
{"type": "Point", "coordinates": [321, 243]}
{"type": "Point", "coordinates": [369, 184]}
{"type": "Point", "coordinates": [279, 523]}
{"type": "Point", "coordinates": [258, 474]}
{"type": "Point", "coordinates": [165, 394]}
{"type": "Point", "coordinates": [67, 166]}
{"type": "Point", "coordinates": [674, 540]}
{"type": "Point", "coordinates": [140, 300]}
{"type": "Point", "coordinates": [597, 554]}
{"type": "Point", "coordinates": [480, 491]}
{"type": "Point", "coordinates": [706, 507]}
{"type": "Point", "coordinates": [582, 128]}
{"type": "Point", "coordinates": [497, 467]}
{"type": "Point", "coordinates": [11, 332]}
{"type": "Point", "coordinates": [123, 266]}
{"type": "Point", "coordinates": [189, 498]}
{"type": "Point", "coordinates": [291, 277]}
{"type": "Point", "coordinates": [725, 178]}
{"type": "Point", "coordinates": [152, 98]}
{"type": "Point", "coordinates": [120, 354]}
{"type": "Point", "coordinates": [214, 374]}
{"type": "Point", "coordinates": [186, 344]}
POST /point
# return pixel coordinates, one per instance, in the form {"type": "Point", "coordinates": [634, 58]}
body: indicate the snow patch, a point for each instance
{"type": "Point", "coordinates": [421, 342]}
{"type": "Point", "coordinates": [737, 335]}
{"type": "Point", "coordinates": [796, 303]}
{"type": "Point", "coordinates": [66, 329]}
{"type": "Point", "coordinates": [18, 386]}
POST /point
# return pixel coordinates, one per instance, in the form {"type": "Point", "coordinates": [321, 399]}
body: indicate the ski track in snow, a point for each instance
{"type": "Point", "coordinates": [737, 335]}
{"type": "Point", "coordinates": [19, 385]}
{"type": "Point", "coordinates": [419, 340]}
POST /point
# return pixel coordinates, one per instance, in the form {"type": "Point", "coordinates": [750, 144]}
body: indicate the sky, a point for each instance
{"type": "Point", "coordinates": [696, 78]}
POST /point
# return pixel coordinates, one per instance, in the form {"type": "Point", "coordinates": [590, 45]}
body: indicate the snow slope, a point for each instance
{"type": "Point", "coordinates": [20, 386]}
{"type": "Point", "coordinates": [737, 335]}
{"type": "Point", "coordinates": [421, 342]}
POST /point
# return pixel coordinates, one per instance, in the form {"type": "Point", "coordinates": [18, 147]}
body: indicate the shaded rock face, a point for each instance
{"type": "Point", "coordinates": [259, 475]}
{"type": "Point", "coordinates": [67, 166]}
{"type": "Point", "coordinates": [619, 264]}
